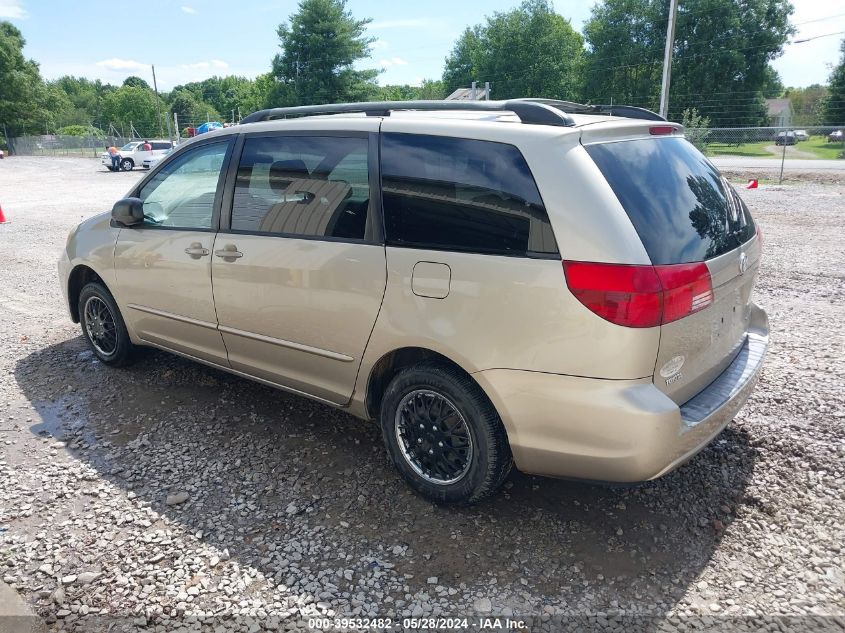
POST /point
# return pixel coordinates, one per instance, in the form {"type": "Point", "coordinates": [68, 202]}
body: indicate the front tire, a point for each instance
{"type": "Point", "coordinates": [103, 326]}
{"type": "Point", "coordinates": [126, 164]}
{"type": "Point", "coordinates": [443, 434]}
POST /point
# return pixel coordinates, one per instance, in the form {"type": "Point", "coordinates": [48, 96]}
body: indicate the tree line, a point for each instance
{"type": "Point", "coordinates": [721, 68]}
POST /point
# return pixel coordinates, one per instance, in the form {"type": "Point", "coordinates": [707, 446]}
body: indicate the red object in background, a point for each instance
{"type": "Point", "coordinates": [2, 217]}
{"type": "Point", "coordinates": [192, 131]}
{"type": "Point", "coordinates": [752, 184]}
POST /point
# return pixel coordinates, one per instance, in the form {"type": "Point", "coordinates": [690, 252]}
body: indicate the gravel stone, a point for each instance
{"type": "Point", "coordinates": [177, 498]}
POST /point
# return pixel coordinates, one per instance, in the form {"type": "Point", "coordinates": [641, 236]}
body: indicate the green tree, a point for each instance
{"type": "Point", "coordinates": [396, 93]}
{"type": "Point", "coordinates": [462, 63]}
{"type": "Point", "coordinates": [807, 104]}
{"type": "Point", "coordinates": [720, 60]}
{"type": "Point", "coordinates": [319, 47]}
{"type": "Point", "coordinates": [530, 51]}
{"type": "Point", "coordinates": [136, 82]}
{"type": "Point", "coordinates": [131, 106]}
{"type": "Point", "coordinates": [80, 130]}
{"type": "Point", "coordinates": [773, 85]}
{"type": "Point", "coordinates": [86, 100]}
{"type": "Point", "coordinates": [225, 94]}
{"type": "Point", "coordinates": [695, 128]}
{"type": "Point", "coordinates": [428, 89]}
{"type": "Point", "coordinates": [431, 89]}
{"type": "Point", "coordinates": [834, 107]}
{"type": "Point", "coordinates": [23, 98]}
{"type": "Point", "coordinates": [189, 109]}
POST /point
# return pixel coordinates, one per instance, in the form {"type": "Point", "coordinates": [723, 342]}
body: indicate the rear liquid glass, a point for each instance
{"type": "Point", "coordinates": [680, 206]}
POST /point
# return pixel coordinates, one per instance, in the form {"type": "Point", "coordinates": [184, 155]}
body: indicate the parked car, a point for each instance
{"type": "Point", "coordinates": [153, 160]}
{"type": "Point", "coordinates": [494, 288]}
{"type": "Point", "coordinates": [801, 135]}
{"type": "Point", "coordinates": [785, 138]}
{"type": "Point", "coordinates": [133, 153]}
{"type": "Point", "coordinates": [835, 137]}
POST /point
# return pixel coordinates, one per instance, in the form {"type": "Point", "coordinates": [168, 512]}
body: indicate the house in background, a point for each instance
{"type": "Point", "coordinates": [779, 112]}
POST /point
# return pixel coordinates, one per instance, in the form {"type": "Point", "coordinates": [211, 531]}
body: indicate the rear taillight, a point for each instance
{"type": "Point", "coordinates": [640, 296]}
{"type": "Point", "coordinates": [686, 289]}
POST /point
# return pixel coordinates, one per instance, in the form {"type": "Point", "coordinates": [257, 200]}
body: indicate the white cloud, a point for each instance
{"type": "Point", "coordinates": [189, 10]}
{"type": "Point", "coordinates": [205, 65]}
{"type": "Point", "coordinates": [115, 63]}
{"type": "Point", "coordinates": [393, 61]}
{"type": "Point", "coordinates": [12, 9]}
{"type": "Point", "coordinates": [406, 23]}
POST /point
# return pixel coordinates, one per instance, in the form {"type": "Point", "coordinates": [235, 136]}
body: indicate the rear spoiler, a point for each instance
{"type": "Point", "coordinates": [570, 107]}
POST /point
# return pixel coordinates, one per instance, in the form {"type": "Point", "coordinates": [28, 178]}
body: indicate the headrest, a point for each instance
{"type": "Point", "coordinates": [283, 171]}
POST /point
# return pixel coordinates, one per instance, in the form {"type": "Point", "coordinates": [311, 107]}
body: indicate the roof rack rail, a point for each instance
{"type": "Point", "coordinates": [570, 107]}
{"type": "Point", "coordinates": [536, 112]}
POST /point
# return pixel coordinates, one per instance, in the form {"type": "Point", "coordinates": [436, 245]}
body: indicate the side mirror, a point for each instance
{"type": "Point", "coordinates": [128, 211]}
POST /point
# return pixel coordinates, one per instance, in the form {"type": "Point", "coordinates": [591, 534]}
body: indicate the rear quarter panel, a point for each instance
{"type": "Point", "coordinates": [504, 312]}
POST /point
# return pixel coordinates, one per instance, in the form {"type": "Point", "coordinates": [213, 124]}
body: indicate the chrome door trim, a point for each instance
{"type": "Point", "coordinates": [289, 344]}
{"type": "Point", "coordinates": [170, 315]}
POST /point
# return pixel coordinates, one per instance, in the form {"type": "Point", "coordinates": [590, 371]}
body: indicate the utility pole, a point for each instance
{"type": "Point", "coordinates": [667, 58]}
{"type": "Point", "coordinates": [472, 92]}
{"type": "Point", "coordinates": [158, 105]}
{"type": "Point", "coordinates": [487, 91]}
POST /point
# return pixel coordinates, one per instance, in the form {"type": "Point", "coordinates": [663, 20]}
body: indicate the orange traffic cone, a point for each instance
{"type": "Point", "coordinates": [2, 217]}
{"type": "Point", "coordinates": [752, 184]}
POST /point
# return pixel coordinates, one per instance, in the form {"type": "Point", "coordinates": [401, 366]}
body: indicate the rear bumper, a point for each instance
{"type": "Point", "coordinates": [617, 430]}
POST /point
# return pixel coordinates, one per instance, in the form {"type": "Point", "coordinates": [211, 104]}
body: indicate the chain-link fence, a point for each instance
{"type": "Point", "coordinates": [58, 145]}
{"type": "Point", "coordinates": [743, 135]}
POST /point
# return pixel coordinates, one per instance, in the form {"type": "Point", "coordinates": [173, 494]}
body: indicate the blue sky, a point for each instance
{"type": "Point", "coordinates": [190, 40]}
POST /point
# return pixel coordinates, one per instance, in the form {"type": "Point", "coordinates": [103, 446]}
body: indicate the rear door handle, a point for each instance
{"type": "Point", "coordinates": [229, 252]}
{"type": "Point", "coordinates": [196, 250]}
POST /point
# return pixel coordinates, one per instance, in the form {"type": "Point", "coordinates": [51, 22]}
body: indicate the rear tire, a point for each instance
{"type": "Point", "coordinates": [103, 326]}
{"type": "Point", "coordinates": [443, 434]}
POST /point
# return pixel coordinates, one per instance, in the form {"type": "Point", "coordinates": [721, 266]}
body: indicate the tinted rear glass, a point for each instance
{"type": "Point", "coordinates": [461, 195]}
{"type": "Point", "coordinates": [680, 206]}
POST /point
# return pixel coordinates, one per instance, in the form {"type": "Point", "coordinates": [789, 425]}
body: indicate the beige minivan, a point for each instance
{"type": "Point", "coordinates": [561, 287]}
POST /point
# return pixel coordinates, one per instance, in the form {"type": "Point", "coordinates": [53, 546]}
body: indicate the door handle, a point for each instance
{"type": "Point", "coordinates": [229, 252]}
{"type": "Point", "coordinates": [196, 250]}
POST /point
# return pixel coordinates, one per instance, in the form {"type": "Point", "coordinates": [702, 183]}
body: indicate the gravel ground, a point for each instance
{"type": "Point", "coordinates": [169, 494]}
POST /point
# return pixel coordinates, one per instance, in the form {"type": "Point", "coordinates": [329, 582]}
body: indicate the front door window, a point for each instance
{"type": "Point", "coordinates": [182, 193]}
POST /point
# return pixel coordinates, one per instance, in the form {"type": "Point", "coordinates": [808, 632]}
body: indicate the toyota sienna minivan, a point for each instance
{"type": "Point", "coordinates": [537, 283]}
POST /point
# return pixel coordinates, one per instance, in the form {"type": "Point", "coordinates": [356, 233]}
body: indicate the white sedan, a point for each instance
{"type": "Point", "coordinates": [152, 160]}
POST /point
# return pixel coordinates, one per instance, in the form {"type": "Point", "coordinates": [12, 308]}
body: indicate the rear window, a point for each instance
{"type": "Point", "coordinates": [680, 206]}
{"type": "Point", "coordinates": [461, 195]}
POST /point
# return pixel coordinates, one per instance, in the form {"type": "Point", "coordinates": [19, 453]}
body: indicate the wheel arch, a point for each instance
{"type": "Point", "coordinates": [394, 361]}
{"type": "Point", "coordinates": [81, 275]}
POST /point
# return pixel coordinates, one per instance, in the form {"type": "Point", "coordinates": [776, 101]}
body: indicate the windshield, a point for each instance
{"type": "Point", "coordinates": [681, 207]}
{"type": "Point", "coordinates": [129, 146]}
